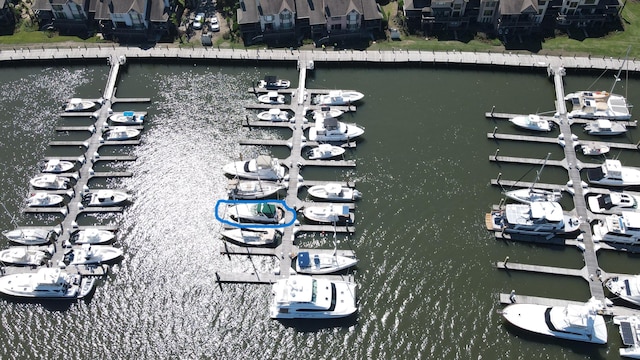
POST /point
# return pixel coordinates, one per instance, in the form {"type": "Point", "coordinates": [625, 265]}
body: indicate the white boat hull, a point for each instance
{"type": "Point", "coordinates": [44, 200]}
{"type": "Point", "coordinates": [93, 236]}
{"type": "Point", "coordinates": [50, 182]}
{"type": "Point", "coordinates": [107, 198]}
{"type": "Point", "coordinates": [127, 118]}
{"type": "Point", "coordinates": [252, 213]}
{"type": "Point", "coordinates": [57, 166]}
{"type": "Point", "coordinates": [79, 105]}
{"type": "Point", "coordinates": [322, 263]}
{"type": "Point", "coordinates": [47, 283]}
{"type": "Point", "coordinates": [539, 319]}
{"type": "Point", "coordinates": [119, 133]}
{"type": "Point", "coordinates": [328, 214]}
{"type": "Point", "coordinates": [626, 288]}
{"type": "Point", "coordinates": [274, 115]}
{"type": "Point", "coordinates": [22, 256]}
{"type": "Point", "coordinates": [255, 169]}
{"type": "Point", "coordinates": [93, 255]}
{"type": "Point", "coordinates": [29, 236]}
{"type": "Point", "coordinates": [252, 237]}
{"type": "Point", "coordinates": [527, 195]}
{"type": "Point", "coordinates": [339, 98]}
{"type": "Point", "coordinates": [254, 189]}
{"type": "Point", "coordinates": [334, 192]}
{"type": "Point", "coordinates": [325, 151]}
{"type": "Point", "coordinates": [292, 298]}
{"type": "Point", "coordinates": [531, 122]}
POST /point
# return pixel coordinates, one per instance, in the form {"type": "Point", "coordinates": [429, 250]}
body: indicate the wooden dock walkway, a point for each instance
{"type": "Point", "coordinates": [391, 57]}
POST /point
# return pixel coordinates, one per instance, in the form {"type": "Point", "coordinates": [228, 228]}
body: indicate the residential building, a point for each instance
{"type": "Point", "coordinates": [517, 17]}
{"type": "Point", "coordinates": [133, 20]}
{"type": "Point", "coordinates": [436, 15]}
{"type": "Point", "coordinates": [267, 21]}
{"type": "Point", "coordinates": [69, 17]}
{"type": "Point", "coordinates": [587, 13]}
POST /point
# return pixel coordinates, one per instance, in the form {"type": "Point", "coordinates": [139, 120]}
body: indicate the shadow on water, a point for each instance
{"type": "Point", "coordinates": [57, 305]}
{"type": "Point", "coordinates": [315, 325]}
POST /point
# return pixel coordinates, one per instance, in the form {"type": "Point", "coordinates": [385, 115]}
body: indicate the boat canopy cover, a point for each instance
{"type": "Point", "coordinates": [267, 209]}
{"type": "Point", "coordinates": [263, 161]}
{"type": "Point", "coordinates": [303, 259]}
{"type": "Point", "coordinates": [128, 113]}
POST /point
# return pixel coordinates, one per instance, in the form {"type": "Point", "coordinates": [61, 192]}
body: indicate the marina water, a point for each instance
{"type": "Point", "coordinates": [426, 285]}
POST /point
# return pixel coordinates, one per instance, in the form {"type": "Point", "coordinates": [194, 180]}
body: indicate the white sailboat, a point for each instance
{"type": "Point", "coordinates": [531, 194]}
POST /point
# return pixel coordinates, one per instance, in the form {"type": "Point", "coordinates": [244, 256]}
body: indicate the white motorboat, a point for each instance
{"type": "Point", "coordinates": [261, 168]}
{"type": "Point", "coordinates": [531, 194]}
{"type": "Point", "coordinates": [29, 236]}
{"type": "Point", "coordinates": [598, 105]}
{"type": "Point", "coordinates": [271, 82]}
{"type": "Point", "coordinates": [624, 228]}
{"type": "Point", "coordinates": [127, 118]}
{"type": "Point", "coordinates": [254, 189]}
{"type": "Point", "coordinates": [50, 182]}
{"type": "Point", "coordinates": [340, 97]}
{"type": "Point", "coordinates": [263, 213]}
{"type": "Point", "coordinates": [42, 199]}
{"type": "Point", "coordinates": [612, 203]}
{"type": "Point", "coordinates": [118, 133]}
{"type": "Point", "coordinates": [332, 130]}
{"type": "Point", "coordinates": [250, 236]}
{"type": "Point", "coordinates": [531, 122]}
{"type": "Point", "coordinates": [76, 104]}
{"type": "Point", "coordinates": [305, 297]}
{"type": "Point", "coordinates": [612, 173]}
{"type": "Point", "coordinates": [535, 218]}
{"type": "Point", "coordinates": [604, 127]}
{"type": "Point", "coordinates": [93, 236]}
{"type": "Point", "coordinates": [274, 115]}
{"type": "Point", "coordinates": [317, 263]}
{"type": "Point", "coordinates": [571, 322]}
{"type": "Point", "coordinates": [334, 192]}
{"type": "Point", "coordinates": [325, 151]}
{"type": "Point", "coordinates": [47, 283]}
{"type": "Point", "coordinates": [625, 287]}
{"type": "Point", "coordinates": [107, 197]}
{"type": "Point", "coordinates": [327, 111]}
{"type": "Point", "coordinates": [629, 328]}
{"type": "Point", "coordinates": [92, 254]}
{"type": "Point", "coordinates": [22, 256]}
{"type": "Point", "coordinates": [272, 98]}
{"type": "Point", "coordinates": [328, 214]}
{"type": "Point", "coordinates": [593, 149]}
{"type": "Point", "coordinates": [56, 166]}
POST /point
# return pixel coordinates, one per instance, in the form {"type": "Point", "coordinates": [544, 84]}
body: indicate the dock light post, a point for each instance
{"type": "Point", "coordinates": [496, 154]}
{"type": "Point", "coordinates": [496, 129]}
{"type": "Point", "coordinates": [498, 179]}
{"type": "Point", "coordinates": [493, 108]}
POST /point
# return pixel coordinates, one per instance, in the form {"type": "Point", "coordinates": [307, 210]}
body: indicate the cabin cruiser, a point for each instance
{"type": "Point", "coordinates": [626, 287]}
{"type": "Point", "coordinates": [42, 199]}
{"type": "Point", "coordinates": [93, 236]}
{"type": "Point", "coordinates": [57, 166]}
{"type": "Point", "coordinates": [340, 97]}
{"type": "Point", "coordinates": [328, 214]}
{"type": "Point", "coordinates": [331, 130]}
{"type": "Point", "coordinates": [127, 118]}
{"type": "Point", "coordinates": [251, 236]}
{"type": "Point", "coordinates": [612, 173]}
{"type": "Point", "coordinates": [107, 197]}
{"type": "Point", "coordinates": [598, 105]}
{"type": "Point", "coordinates": [92, 254]}
{"type": "Point", "coordinates": [50, 182]}
{"type": "Point", "coordinates": [261, 212]}
{"type": "Point", "coordinates": [535, 218]}
{"type": "Point", "coordinates": [571, 322]}
{"type": "Point", "coordinates": [118, 133]}
{"type": "Point", "coordinates": [19, 255]}
{"type": "Point", "coordinates": [531, 122]}
{"type": "Point", "coordinates": [272, 97]}
{"type": "Point", "coordinates": [629, 328]}
{"type": "Point", "coordinates": [624, 228]}
{"type": "Point", "coordinates": [334, 192]}
{"type": "Point", "coordinates": [271, 82]}
{"type": "Point", "coordinates": [604, 127]}
{"type": "Point", "coordinates": [47, 283]}
{"type": "Point", "coordinates": [254, 189]}
{"type": "Point", "coordinates": [325, 151]}
{"type": "Point", "coordinates": [274, 115]}
{"type": "Point", "coordinates": [317, 263]}
{"type": "Point", "coordinates": [76, 104]}
{"type": "Point", "coordinates": [29, 236]}
{"type": "Point", "coordinates": [261, 168]}
{"type": "Point", "coordinates": [305, 297]}
{"type": "Point", "coordinates": [612, 203]}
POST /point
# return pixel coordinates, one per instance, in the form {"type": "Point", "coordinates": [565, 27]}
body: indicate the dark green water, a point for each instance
{"type": "Point", "coordinates": [427, 287]}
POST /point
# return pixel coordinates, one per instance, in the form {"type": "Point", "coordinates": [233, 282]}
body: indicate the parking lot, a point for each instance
{"type": "Point", "coordinates": [208, 22]}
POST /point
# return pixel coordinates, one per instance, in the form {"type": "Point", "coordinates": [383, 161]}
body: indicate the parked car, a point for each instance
{"type": "Point", "coordinates": [213, 24]}
{"type": "Point", "coordinates": [197, 22]}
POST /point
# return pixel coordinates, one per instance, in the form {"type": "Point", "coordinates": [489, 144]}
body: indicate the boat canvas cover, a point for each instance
{"type": "Point", "coordinates": [546, 210]}
{"type": "Point", "coordinates": [128, 113]}
{"type": "Point", "coordinates": [268, 210]}
{"type": "Point", "coordinates": [303, 259]}
{"type": "Point", "coordinates": [612, 168]}
{"type": "Point", "coordinates": [618, 105]}
{"type": "Point", "coordinates": [263, 162]}
{"type": "Point", "coordinates": [604, 124]}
